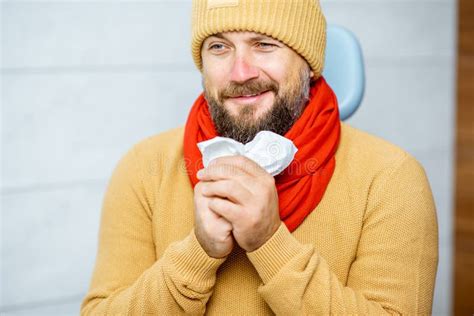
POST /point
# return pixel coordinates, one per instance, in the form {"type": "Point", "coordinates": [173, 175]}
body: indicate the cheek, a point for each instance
{"type": "Point", "coordinates": [291, 75]}
{"type": "Point", "coordinates": [279, 69]}
{"type": "Point", "coordinates": [211, 87]}
{"type": "Point", "coordinates": [214, 79]}
{"type": "Point", "coordinates": [215, 68]}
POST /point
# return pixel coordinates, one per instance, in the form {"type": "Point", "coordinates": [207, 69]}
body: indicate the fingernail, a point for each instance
{"type": "Point", "coordinates": [199, 173]}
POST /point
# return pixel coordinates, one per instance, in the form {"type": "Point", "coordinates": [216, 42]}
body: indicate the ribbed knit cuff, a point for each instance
{"type": "Point", "coordinates": [192, 262]}
{"type": "Point", "coordinates": [275, 253]}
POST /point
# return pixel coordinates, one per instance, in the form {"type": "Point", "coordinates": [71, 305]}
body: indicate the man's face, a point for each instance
{"type": "Point", "coordinates": [253, 82]}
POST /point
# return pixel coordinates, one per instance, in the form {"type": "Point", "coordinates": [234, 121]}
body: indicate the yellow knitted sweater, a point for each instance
{"type": "Point", "coordinates": [369, 247]}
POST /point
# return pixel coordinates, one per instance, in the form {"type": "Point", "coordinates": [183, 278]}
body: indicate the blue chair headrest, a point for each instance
{"type": "Point", "coordinates": [344, 69]}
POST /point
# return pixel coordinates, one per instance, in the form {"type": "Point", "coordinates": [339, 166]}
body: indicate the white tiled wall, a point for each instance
{"type": "Point", "coordinates": [83, 81]}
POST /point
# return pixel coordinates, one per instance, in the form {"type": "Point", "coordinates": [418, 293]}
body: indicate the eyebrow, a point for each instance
{"type": "Point", "coordinates": [255, 38]}
{"type": "Point", "coordinates": [218, 35]}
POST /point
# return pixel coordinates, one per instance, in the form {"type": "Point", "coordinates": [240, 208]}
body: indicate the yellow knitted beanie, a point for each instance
{"type": "Point", "coordinates": [300, 24]}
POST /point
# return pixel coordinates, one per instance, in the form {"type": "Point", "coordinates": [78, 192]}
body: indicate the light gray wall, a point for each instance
{"type": "Point", "coordinates": [83, 81]}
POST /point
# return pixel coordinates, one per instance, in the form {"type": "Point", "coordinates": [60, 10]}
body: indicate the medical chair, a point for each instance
{"type": "Point", "coordinates": [344, 69]}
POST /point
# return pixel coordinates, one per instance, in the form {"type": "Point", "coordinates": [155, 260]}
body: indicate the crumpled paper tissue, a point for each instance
{"type": "Point", "coordinates": [269, 150]}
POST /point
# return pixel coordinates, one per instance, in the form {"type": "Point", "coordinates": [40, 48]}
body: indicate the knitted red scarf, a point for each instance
{"type": "Point", "coordinates": [316, 133]}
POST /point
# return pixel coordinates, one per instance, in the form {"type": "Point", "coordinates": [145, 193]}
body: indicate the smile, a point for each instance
{"type": "Point", "coordinates": [247, 99]}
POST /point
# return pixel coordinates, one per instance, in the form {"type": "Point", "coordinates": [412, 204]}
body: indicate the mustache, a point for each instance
{"type": "Point", "coordinates": [251, 87]}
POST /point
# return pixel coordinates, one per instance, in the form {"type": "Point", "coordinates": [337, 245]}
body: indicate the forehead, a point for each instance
{"type": "Point", "coordinates": [242, 36]}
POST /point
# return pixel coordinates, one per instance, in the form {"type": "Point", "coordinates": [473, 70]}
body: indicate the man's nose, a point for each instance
{"type": "Point", "coordinates": [243, 70]}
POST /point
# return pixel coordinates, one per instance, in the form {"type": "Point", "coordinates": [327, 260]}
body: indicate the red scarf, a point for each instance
{"type": "Point", "coordinates": [316, 133]}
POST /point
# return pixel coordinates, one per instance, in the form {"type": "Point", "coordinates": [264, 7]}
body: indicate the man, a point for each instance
{"type": "Point", "coordinates": [348, 228]}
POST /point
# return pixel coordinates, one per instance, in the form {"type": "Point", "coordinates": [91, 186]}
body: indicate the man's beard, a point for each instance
{"type": "Point", "coordinates": [286, 109]}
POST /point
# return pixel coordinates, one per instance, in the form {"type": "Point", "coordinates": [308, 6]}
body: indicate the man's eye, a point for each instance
{"type": "Point", "coordinates": [216, 47]}
{"type": "Point", "coordinates": [265, 45]}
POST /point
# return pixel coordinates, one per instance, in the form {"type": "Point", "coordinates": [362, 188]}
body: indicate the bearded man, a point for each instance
{"type": "Point", "coordinates": [349, 227]}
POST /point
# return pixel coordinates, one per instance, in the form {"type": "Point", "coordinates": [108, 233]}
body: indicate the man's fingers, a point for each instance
{"type": "Point", "coordinates": [229, 189]}
{"type": "Point", "coordinates": [245, 164]}
{"type": "Point", "coordinates": [218, 172]}
{"type": "Point", "coordinates": [223, 225]}
{"type": "Point", "coordinates": [229, 167]}
{"type": "Point", "coordinates": [224, 208]}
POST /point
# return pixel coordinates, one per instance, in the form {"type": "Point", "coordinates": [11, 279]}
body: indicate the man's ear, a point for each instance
{"type": "Point", "coordinates": [311, 74]}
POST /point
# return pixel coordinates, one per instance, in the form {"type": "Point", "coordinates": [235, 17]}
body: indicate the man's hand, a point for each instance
{"type": "Point", "coordinates": [213, 232]}
{"type": "Point", "coordinates": [245, 195]}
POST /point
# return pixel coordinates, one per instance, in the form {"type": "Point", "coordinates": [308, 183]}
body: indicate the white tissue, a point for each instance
{"type": "Point", "coordinates": [269, 150]}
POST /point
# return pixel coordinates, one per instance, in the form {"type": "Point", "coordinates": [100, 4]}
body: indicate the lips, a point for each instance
{"type": "Point", "coordinates": [250, 98]}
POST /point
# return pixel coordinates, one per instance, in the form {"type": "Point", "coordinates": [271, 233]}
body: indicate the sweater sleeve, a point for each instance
{"type": "Point", "coordinates": [395, 266]}
{"type": "Point", "coordinates": [128, 279]}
